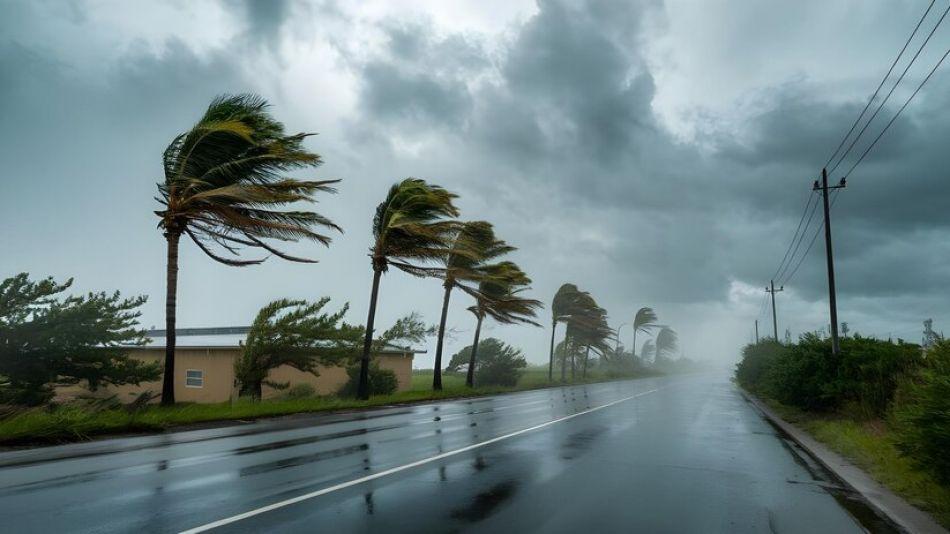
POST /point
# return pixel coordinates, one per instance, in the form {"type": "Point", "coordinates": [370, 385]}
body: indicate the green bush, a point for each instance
{"type": "Point", "coordinates": [381, 381]}
{"type": "Point", "coordinates": [498, 364]}
{"type": "Point", "coordinates": [757, 360]}
{"type": "Point", "coordinates": [865, 373]}
{"type": "Point", "coordinates": [921, 414]}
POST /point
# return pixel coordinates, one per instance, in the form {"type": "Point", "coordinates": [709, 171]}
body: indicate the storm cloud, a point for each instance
{"type": "Point", "coordinates": [617, 145]}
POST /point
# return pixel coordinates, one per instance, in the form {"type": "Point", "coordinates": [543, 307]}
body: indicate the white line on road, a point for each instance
{"type": "Point", "coordinates": [374, 476]}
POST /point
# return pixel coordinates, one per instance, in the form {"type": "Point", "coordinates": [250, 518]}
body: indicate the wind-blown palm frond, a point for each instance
{"type": "Point", "coordinates": [645, 320]}
{"type": "Point", "coordinates": [223, 181]}
{"type": "Point", "coordinates": [666, 342]}
{"type": "Point", "coordinates": [649, 348]}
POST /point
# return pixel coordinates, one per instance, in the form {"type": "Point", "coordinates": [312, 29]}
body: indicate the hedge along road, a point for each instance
{"type": "Point", "coordinates": [674, 454]}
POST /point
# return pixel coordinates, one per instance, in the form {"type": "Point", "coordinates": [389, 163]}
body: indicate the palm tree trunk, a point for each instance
{"type": "Point", "coordinates": [363, 389]}
{"type": "Point", "coordinates": [586, 357]}
{"type": "Point", "coordinates": [573, 367]}
{"type": "Point", "coordinates": [633, 349]}
{"type": "Point", "coordinates": [564, 360]}
{"type": "Point", "coordinates": [551, 355]}
{"type": "Point", "coordinates": [171, 305]}
{"type": "Point", "coordinates": [470, 377]}
{"type": "Point", "coordinates": [437, 371]}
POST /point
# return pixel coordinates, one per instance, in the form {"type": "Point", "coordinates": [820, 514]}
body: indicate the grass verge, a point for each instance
{"type": "Point", "coordinates": [870, 445]}
{"type": "Point", "coordinates": [70, 423]}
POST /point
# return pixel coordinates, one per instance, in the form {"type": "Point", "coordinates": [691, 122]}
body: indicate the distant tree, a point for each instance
{"type": "Point", "coordinates": [47, 340]}
{"type": "Point", "coordinates": [412, 228]}
{"type": "Point", "coordinates": [648, 351]}
{"type": "Point", "coordinates": [564, 305]}
{"type": "Point", "coordinates": [223, 187]}
{"type": "Point", "coordinates": [644, 321]}
{"type": "Point", "coordinates": [472, 246]}
{"type": "Point", "coordinates": [498, 364]}
{"type": "Point", "coordinates": [666, 343]}
{"type": "Point", "coordinates": [295, 333]}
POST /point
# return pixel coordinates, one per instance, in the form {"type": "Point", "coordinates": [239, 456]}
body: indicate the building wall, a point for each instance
{"type": "Point", "coordinates": [217, 365]}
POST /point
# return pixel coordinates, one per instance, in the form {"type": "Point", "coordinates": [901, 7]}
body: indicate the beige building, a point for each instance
{"type": "Point", "coordinates": [204, 368]}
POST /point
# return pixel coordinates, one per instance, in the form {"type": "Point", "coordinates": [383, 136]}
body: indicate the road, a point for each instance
{"type": "Point", "coordinates": [669, 454]}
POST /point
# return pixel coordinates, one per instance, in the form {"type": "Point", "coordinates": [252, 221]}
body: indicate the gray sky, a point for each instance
{"type": "Point", "coordinates": [655, 153]}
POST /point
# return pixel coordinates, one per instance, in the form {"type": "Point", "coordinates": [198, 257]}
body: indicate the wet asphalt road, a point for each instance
{"type": "Point", "coordinates": [684, 454]}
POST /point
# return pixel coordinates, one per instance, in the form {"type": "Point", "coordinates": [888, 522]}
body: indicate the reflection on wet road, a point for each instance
{"type": "Point", "coordinates": [691, 456]}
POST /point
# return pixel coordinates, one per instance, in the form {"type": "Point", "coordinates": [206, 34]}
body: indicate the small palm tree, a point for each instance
{"type": "Point", "coordinates": [223, 187]}
{"type": "Point", "coordinates": [644, 321]}
{"type": "Point", "coordinates": [562, 306]}
{"type": "Point", "coordinates": [473, 245]}
{"type": "Point", "coordinates": [411, 229]}
{"type": "Point", "coordinates": [499, 297]}
{"type": "Point", "coordinates": [583, 321]}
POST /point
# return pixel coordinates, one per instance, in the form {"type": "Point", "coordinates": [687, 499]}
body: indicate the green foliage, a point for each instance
{"type": "Point", "coordinates": [223, 183]}
{"type": "Point", "coordinates": [921, 413]}
{"type": "Point", "coordinates": [47, 340]}
{"type": "Point", "coordinates": [381, 381]}
{"type": "Point", "coordinates": [665, 344]}
{"type": "Point", "coordinates": [498, 364]}
{"type": "Point", "coordinates": [296, 333]}
{"type": "Point", "coordinates": [757, 360]}
{"type": "Point", "coordinates": [644, 320]}
{"type": "Point", "coordinates": [500, 293]}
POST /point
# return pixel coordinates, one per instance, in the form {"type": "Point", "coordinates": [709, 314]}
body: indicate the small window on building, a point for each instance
{"type": "Point", "coordinates": [194, 378]}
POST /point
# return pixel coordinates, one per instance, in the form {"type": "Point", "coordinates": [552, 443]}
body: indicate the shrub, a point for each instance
{"type": "Point", "coordinates": [757, 360]}
{"type": "Point", "coordinates": [921, 414]}
{"type": "Point", "coordinates": [498, 364]}
{"type": "Point", "coordinates": [381, 381]}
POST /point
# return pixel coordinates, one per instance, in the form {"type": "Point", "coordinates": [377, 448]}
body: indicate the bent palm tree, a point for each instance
{"type": "Point", "coordinates": [499, 297]}
{"type": "Point", "coordinates": [222, 185]}
{"type": "Point", "coordinates": [648, 349]}
{"type": "Point", "coordinates": [643, 321]}
{"type": "Point", "coordinates": [409, 230]}
{"type": "Point", "coordinates": [562, 306]}
{"type": "Point", "coordinates": [473, 245]}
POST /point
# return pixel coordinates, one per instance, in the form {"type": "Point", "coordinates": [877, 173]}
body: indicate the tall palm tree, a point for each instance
{"type": "Point", "coordinates": [474, 244]}
{"type": "Point", "coordinates": [582, 321]}
{"type": "Point", "coordinates": [411, 229]}
{"type": "Point", "coordinates": [499, 297]}
{"type": "Point", "coordinates": [643, 321]}
{"type": "Point", "coordinates": [562, 306]}
{"type": "Point", "coordinates": [223, 188]}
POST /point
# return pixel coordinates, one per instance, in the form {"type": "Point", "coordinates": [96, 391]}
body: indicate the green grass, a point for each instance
{"type": "Point", "coordinates": [870, 445]}
{"type": "Point", "coordinates": [76, 423]}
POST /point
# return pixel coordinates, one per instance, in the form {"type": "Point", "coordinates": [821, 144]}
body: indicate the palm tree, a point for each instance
{"type": "Point", "coordinates": [473, 245]}
{"type": "Point", "coordinates": [644, 321]}
{"type": "Point", "coordinates": [411, 229]}
{"type": "Point", "coordinates": [562, 306]}
{"type": "Point", "coordinates": [648, 348]}
{"type": "Point", "coordinates": [223, 187]}
{"type": "Point", "coordinates": [582, 323]}
{"type": "Point", "coordinates": [499, 297]}
{"type": "Point", "coordinates": [666, 342]}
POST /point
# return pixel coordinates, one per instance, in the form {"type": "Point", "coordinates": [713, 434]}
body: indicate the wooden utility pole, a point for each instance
{"type": "Point", "coordinates": [756, 331]}
{"type": "Point", "coordinates": [771, 290]}
{"type": "Point", "coordinates": [829, 256]}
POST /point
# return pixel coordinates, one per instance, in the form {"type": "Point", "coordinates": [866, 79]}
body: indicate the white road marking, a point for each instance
{"type": "Point", "coordinates": [387, 472]}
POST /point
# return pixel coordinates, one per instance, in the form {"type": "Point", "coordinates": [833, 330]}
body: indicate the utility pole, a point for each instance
{"type": "Point", "coordinates": [829, 255]}
{"type": "Point", "coordinates": [771, 289]}
{"type": "Point", "coordinates": [756, 331]}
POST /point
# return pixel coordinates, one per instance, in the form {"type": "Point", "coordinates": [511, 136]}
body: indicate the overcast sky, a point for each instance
{"type": "Point", "coordinates": [655, 153]}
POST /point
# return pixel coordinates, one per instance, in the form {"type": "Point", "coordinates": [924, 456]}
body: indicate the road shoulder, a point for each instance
{"type": "Point", "coordinates": [886, 503]}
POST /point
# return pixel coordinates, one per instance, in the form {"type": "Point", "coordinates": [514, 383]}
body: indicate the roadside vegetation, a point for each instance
{"type": "Point", "coordinates": [224, 188]}
{"type": "Point", "coordinates": [884, 405]}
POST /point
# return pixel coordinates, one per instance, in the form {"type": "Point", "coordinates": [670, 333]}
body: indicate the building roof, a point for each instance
{"type": "Point", "coordinates": [227, 337]}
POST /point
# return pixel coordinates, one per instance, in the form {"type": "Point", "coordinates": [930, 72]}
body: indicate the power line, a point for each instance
{"type": "Point", "coordinates": [789, 249]}
{"type": "Point", "coordinates": [880, 85]}
{"type": "Point", "coordinates": [801, 238]}
{"type": "Point", "coordinates": [894, 118]}
{"type": "Point", "coordinates": [818, 230]}
{"type": "Point", "coordinates": [889, 93]}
